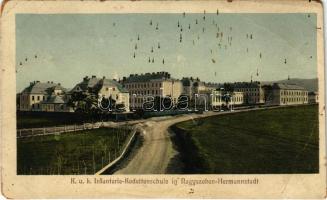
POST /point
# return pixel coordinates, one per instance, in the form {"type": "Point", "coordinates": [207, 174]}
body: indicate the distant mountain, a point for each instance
{"type": "Point", "coordinates": [309, 84]}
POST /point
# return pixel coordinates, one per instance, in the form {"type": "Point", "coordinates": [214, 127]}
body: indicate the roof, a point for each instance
{"type": "Point", "coordinates": [187, 81]}
{"type": "Point", "coordinates": [111, 83]}
{"type": "Point", "coordinates": [213, 85]}
{"type": "Point", "coordinates": [146, 77]}
{"type": "Point", "coordinates": [247, 84]}
{"type": "Point", "coordinates": [87, 83]}
{"type": "Point", "coordinates": [37, 87]}
{"type": "Point", "coordinates": [285, 86]}
{"type": "Point", "coordinates": [95, 84]}
{"type": "Point", "coordinates": [54, 100]}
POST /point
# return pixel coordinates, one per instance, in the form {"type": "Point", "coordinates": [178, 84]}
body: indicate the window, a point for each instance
{"type": "Point", "coordinates": [43, 98]}
{"type": "Point", "coordinates": [107, 89]}
{"type": "Point", "coordinates": [38, 106]}
{"type": "Point", "coordinates": [113, 89]}
{"type": "Point", "coordinates": [32, 98]}
{"type": "Point", "coordinates": [38, 98]}
{"type": "Point", "coordinates": [33, 106]}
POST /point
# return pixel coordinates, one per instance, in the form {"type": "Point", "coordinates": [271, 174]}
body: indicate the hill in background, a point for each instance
{"type": "Point", "coordinates": [309, 84]}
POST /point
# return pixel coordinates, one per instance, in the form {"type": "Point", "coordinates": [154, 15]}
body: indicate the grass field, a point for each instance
{"type": "Point", "coordinates": [282, 140]}
{"type": "Point", "coordinates": [83, 152]}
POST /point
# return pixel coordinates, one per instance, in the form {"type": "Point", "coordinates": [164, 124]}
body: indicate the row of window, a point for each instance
{"type": "Point", "coordinates": [237, 99]}
{"type": "Point", "coordinates": [145, 92]}
{"type": "Point", "coordinates": [302, 99]}
{"type": "Point", "coordinates": [38, 98]}
{"type": "Point", "coordinates": [247, 89]}
{"type": "Point", "coordinates": [254, 100]}
{"type": "Point", "coordinates": [253, 94]}
{"type": "Point", "coordinates": [36, 106]}
{"type": "Point", "coordinates": [113, 89]}
{"type": "Point", "coordinates": [25, 98]}
{"type": "Point", "coordinates": [287, 92]}
{"type": "Point", "coordinates": [142, 100]}
{"type": "Point", "coordinates": [142, 85]}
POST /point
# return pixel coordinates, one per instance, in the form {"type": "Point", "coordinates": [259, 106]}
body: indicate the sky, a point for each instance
{"type": "Point", "coordinates": [65, 48]}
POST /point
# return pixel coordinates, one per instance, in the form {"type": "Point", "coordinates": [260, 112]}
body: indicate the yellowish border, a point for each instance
{"type": "Point", "coordinates": [270, 186]}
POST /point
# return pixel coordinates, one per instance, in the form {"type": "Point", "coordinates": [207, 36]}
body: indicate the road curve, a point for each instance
{"type": "Point", "coordinates": [154, 155]}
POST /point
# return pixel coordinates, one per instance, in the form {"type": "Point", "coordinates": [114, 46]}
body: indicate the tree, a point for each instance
{"type": "Point", "coordinates": [84, 102]}
{"type": "Point", "coordinates": [228, 87]}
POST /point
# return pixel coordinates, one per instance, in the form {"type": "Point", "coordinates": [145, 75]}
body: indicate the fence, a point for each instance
{"type": "Point", "coordinates": [77, 155]}
{"type": "Point", "coordinates": [21, 133]}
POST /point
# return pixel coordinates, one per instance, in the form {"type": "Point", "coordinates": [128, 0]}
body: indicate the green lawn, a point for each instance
{"type": "Point", "coordinates": [83, 152]}
{"type": "Point", "coordinates": [283, 140]}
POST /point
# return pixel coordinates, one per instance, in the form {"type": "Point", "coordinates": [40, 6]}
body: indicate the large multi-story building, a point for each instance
{"type": "Point", "coordinates": [222, 98]}
{"type": "Point", "coordinates": [192, 86]}
{"type": "Point", "coordinates": [102, 87]}
{"type": "Point", "coordinates": [40, 97]}
{"type": "Point", "coordinates": [237, 98]}
{"type": "Point", "coordinates": [286, 94]}
{"type": "Point", "coordinates": [253, 92]}
{"type": "Point", "coordinates": [189, 86]}
{"type": "Point", "coordinates": [143, 86]}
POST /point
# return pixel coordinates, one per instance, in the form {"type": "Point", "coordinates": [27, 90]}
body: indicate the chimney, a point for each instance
{"type": "Point", "coordinates": [48, 81]}
{"type": "Point", "coordinates": [59, 84]}
{"type": "Point", "coordinates": [93, 76]}
{"type": "Point", "coordinates": [51, 82]}
{"type": "Point", "coordinates": [103, 77]}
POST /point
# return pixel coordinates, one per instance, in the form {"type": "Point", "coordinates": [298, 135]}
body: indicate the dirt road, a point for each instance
{"type": "Point", "coordinates": [157, 149]}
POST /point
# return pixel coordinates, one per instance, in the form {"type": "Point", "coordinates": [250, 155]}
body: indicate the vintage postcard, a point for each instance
{"type": "Point", "coordinates": [162, 99]}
